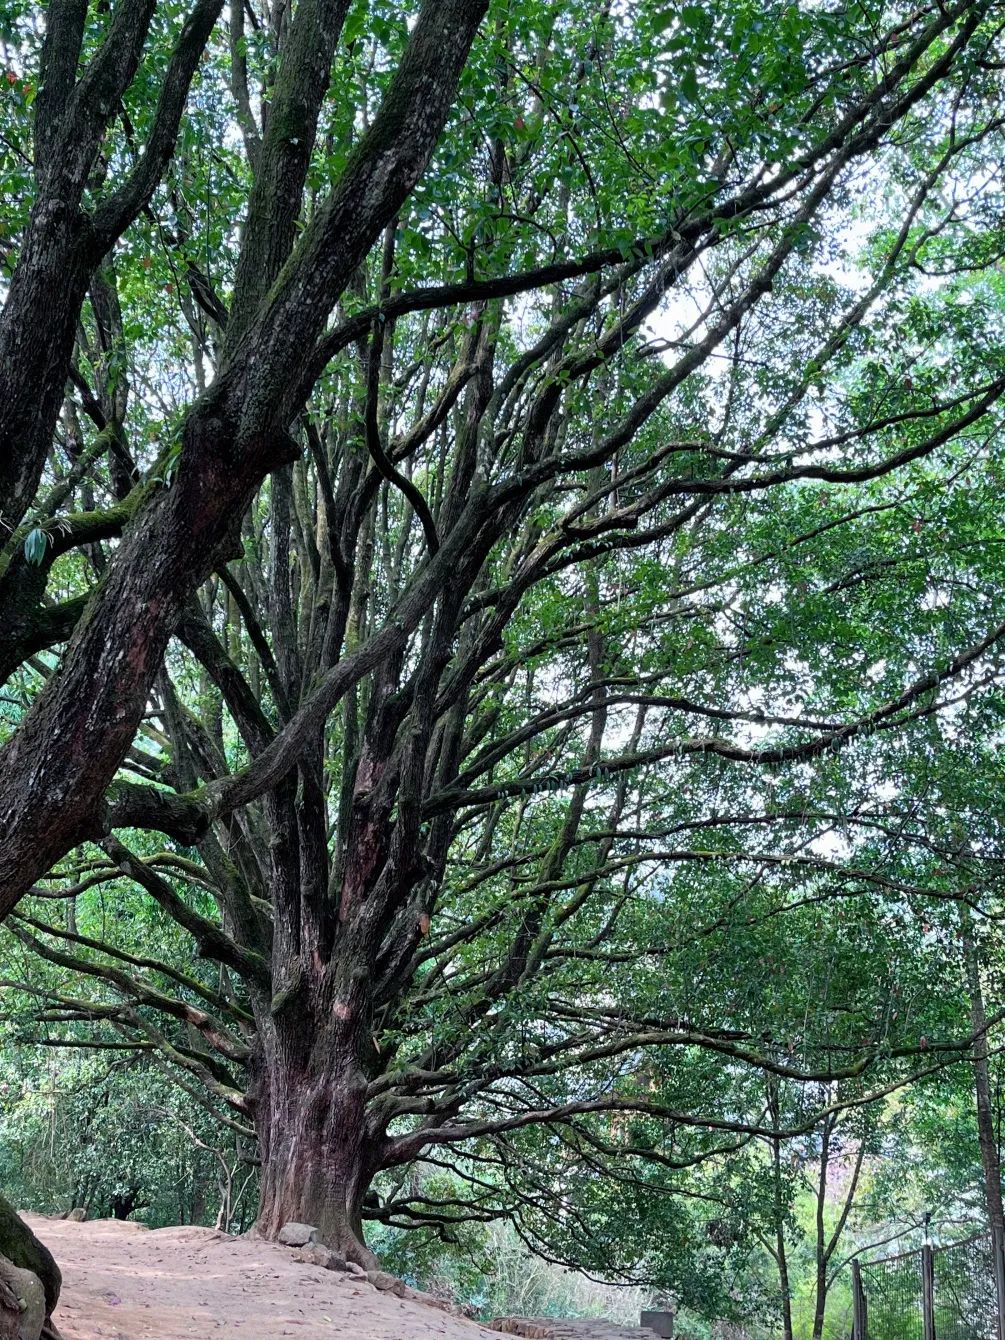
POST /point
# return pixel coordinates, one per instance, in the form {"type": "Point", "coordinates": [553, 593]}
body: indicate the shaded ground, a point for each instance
{"type": "Point", "coordinates": [550, 1328]}
{"type": "Point", "coordinates": [122, 1282]}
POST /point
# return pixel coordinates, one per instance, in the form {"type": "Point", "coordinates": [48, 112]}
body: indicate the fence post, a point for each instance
{"type": "Point", "coordinates": [928, 1291]}
{"type": "Point", "coordinates": [859, 1326]}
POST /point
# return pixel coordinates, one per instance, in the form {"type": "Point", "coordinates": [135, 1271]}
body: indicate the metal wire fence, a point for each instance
{"type": "Point", "coordinates": [893, 1298]}
{"type": "Point", "coordinates": [966, 1306]}
{"type": "Point", "coordinates": [954, 1292]}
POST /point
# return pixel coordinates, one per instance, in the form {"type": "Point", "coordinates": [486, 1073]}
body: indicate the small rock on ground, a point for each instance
{"type": "Point", "coordinates": [317, 1254]}
{"type": "Point", "coordinates": [297, 1235]}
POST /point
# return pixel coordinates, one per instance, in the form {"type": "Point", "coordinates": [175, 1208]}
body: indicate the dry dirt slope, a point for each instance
{"type": "Point", "coordinates": [121, 1282]}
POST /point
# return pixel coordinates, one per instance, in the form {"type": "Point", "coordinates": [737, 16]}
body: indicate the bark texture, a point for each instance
{"type": "Point", "coordinates": [317, 1162]}
{"type": "Point", "coordinates": [24, 1250]}
{"type": "Point", "coordinates": [22, 1303]}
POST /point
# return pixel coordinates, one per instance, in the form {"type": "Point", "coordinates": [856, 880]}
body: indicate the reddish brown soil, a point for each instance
{"type": "Point", "coordinates": [123, 1282]}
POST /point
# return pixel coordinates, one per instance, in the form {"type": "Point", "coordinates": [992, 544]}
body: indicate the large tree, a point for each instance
{"type": "Point", "coordinates": [406, 560]}
{"type": "Point", "coordinates": [107, 91]}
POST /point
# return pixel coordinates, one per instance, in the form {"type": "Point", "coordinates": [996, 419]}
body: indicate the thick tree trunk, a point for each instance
{"type": "Point", "coordinates": [318, 1157]}
{"type": "Point", "coordinates": [35, 351]}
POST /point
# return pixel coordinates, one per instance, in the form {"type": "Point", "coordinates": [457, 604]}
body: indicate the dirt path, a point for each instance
{"type": "Point", "coordinates": [122, 1282]}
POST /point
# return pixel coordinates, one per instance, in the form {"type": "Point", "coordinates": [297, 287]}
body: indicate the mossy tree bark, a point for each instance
{"type": "Point", "coordinates": [23, 1249]}
{"type": "Point", "coordinates": [22, 1304]}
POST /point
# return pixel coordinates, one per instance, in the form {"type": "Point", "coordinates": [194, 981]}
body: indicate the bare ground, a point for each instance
{"type": "Point", "coordinates": [123, 1282]}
